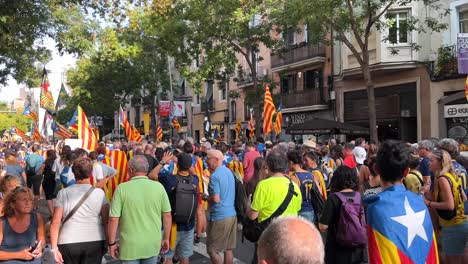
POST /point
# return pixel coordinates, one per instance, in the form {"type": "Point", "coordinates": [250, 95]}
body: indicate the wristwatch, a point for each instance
{"type": "Point", "coordinates": [112, 244]}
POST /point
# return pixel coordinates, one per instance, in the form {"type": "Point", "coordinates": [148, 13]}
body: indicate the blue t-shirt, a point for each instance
{"type": "Point", "coordinates": [169, 182]}
{"type": "Point", "coordinates": [261, 148]}
{"type": "Point", "coordinates": [222, 183]}
{"type": "Point", "coordinates": [307, 181]}
{"type": "Point", "coordinates": [423, 168]}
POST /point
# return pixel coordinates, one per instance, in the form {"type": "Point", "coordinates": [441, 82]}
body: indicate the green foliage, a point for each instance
{"type": "Point", "coordinates": [17, 119]}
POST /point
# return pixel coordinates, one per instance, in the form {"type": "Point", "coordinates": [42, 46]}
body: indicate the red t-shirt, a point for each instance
{"type": "Point", "coordinates": [249, 159]}
{"type": "Point", "coordinates": [349, 161]}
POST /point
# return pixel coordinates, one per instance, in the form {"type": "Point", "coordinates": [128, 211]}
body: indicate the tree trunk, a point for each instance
{"type": "Point", "coordinates": [370, 102]}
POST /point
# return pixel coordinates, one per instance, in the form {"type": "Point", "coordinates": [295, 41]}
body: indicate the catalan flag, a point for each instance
{"type": "Point", "coordinates": [252, 127]}
{"type": "Point", "coordinates": [238, 128]}
{"type": "Point", "coordinates": [123, 121]}
{"type": "Point", "coordinates": [159, 132]}
{"type": "Point", "coordinates": [175, 123]}
{"type": "Point", "coordinates": [85, 132]}
{"type": "Point", "coordinates": [20, 133]}
{"type": "Point", "coordinates": [73, 124]}
{"type": "Point", "coordinates": [46, 99]}
{"type": "Point", "coordinates": [118, 160]}
{"type": "Point", "coordinates": [278, 121]}
{"type": "Point", "coordinates": [35, 135]}
{"type": "Point", "coordinates": [399, 228]}
{"type": "Point", "coordinates": [268, 111]}
{"type": "Point", "coordinates": [96, 133]}
{"type": "Point", "coordinates": [136, 135]}
{"type": "Point", "coordinates": [29, 113]}
{"type": "Point", "coordinates": [61, 131]}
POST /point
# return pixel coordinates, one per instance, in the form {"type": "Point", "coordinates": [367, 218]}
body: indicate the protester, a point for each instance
{"type": "Point", "coordinates": [80, 215]}
{"type": "Point", "coordinates": [249, 158]}
{"type": "Point", "coordinates": [12, 165]}
{"type": "Point", "coordinates": [414, 180]}
{"type": "Point", "coordinates": [311, 162]}
{"type": "Point", "coordinates": [305, 180]}
{"type": "Point", "coordinates": [33, 178]}
{"type": "Point", "coordinates": [337, 155]}
{"type": "Point", "coordinates": [22, 230]}
{"type": "Point", "coordinates": [67, 178]}
{"type": "Point", "coordinates": [373, 186]}
{"type": "Point", "coordinates": [290, 240]}
{"type": "Point", "coordinates": [222, 225]}
{"type": "Point", "coordinates": [399, 226]}
{"type": "Point", "coordinates": [425, 148]}
{"type": "Point", "coordinates": [448, 200]}
{"type": "Point", "coordinates": [343, 187]}
{"type": "Point", "coordinates": [138, 207]}
{"type": "Point", "coordinates": [348, 156]}
{"type": "Point", "coordinates": [48, 182]}
{"type": "Point", "coordinates": [260, 173]}
{"type": "Point", "coordinates": [7, 184]}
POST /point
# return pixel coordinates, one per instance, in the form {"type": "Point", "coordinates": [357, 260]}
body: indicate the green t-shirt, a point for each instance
{"type": "Point", "coordinates": [269, 195]}
{"type": "Point", "coordinates": [140, 204]}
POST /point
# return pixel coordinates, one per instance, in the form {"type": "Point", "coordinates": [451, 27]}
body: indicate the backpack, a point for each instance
{"type": "Point", "coordinates": [31, 164]}
{"type": "Point", "coordinates": [184, 200]}
{"type": "Point", "coordinates": [455, 185]}
{"type": "Point", "coordinates": [240, 200]}
{"type": "Point", "coordinates": [351, 229]}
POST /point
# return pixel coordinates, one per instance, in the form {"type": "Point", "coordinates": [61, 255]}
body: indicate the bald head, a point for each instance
{"type": "Point", "coordinates": [214, 158]}
{"type": "Point", "coordinates": [290, 240]}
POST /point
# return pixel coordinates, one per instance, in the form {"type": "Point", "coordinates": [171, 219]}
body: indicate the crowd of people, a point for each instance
{"type": "Point", "coordinates": [328, 202]}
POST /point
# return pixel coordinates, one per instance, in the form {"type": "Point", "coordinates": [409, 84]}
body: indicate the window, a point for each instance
{"type": "Point", "coordinates": [222, 90]}
{"type": "Point", "coordinates": [313, 79]}
{"type": "Point", "coordinates": [197, 99]}
{"type": "Point", "coordinates": [289, 37]}
{"type": "Point", "coordinates": [463, 17]}
{"type": "Point", "coordinates": [288, 83]}
{"type": "Point", "coordinates": [306, 33]}
{"type": "Point", "coordinates": [247, 112]}
{"type": "Point", "coordinates": [233, 111]}
{"type": "Point", "coordinates": [398, 31]}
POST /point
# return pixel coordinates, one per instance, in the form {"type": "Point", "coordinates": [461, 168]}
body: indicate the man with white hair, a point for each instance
{"type": "Point", "coordinates": [425, 148]}
{"type": "Point", "coordinates": [222, 226]}
{"type": "Point", "coordinates": [290, 240]}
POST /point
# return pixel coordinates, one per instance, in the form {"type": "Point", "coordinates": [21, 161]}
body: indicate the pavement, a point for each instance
{"type": "Point", "coordinates": [242, 254]}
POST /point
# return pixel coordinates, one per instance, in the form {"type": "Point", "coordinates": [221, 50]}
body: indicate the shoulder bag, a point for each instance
{"type": "Point", "coordinates": [78, 205]}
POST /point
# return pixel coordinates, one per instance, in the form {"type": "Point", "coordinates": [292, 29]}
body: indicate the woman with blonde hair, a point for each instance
{"type": "Point", "coordinates": [21, 230]}
{"type": "Point", "coordinates": [447, 198]}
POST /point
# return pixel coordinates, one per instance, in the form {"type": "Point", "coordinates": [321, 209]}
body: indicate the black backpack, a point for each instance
{"type": "Point", "coordinates": [240, 201]}
{"type": "Point", "coordinates": [184, 200]}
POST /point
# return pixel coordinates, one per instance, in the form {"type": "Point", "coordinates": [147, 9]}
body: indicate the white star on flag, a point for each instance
{"type": "Point", "coordinates": [413, 222]}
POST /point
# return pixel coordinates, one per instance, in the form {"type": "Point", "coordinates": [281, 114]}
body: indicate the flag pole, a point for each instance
{"type": "Point", "coordinates": [171, 96]}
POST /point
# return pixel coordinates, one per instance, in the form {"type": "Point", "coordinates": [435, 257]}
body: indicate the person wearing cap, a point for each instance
{"type": "Point", "coordinates": [359, 154]}
{"type": "Point", "coordinates": [185, 233]}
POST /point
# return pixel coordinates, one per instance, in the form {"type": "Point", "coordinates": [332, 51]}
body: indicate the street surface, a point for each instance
{"type": "Point", "coordinates": [242, 254]}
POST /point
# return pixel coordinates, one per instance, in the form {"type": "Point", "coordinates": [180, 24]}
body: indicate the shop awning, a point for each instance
{"type": "Point", "coordinates": [323, 126]}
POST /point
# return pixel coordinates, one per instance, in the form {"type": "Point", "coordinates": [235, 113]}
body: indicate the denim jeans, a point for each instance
{"type": "Point", "coordinates": [152, 260]}
{"type": "Point", "coordinates": [309, 215]}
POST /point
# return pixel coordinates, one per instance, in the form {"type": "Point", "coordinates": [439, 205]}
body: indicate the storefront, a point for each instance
{"type": "Point", "coordinates": [456, 119]}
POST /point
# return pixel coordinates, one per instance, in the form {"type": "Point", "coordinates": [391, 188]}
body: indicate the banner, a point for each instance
{"type": "Point", "coordinates": [179, 108]}
{"type": "Point", "coordinates": [164, 108]}
{"type": "Point", "coordinates": [462, 53]}
{"type": "Point", "coordinates": [146, 123]}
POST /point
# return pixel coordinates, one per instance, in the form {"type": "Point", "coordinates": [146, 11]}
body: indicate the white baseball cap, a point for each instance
{"type": "Point", "coordinates": [359, 154]}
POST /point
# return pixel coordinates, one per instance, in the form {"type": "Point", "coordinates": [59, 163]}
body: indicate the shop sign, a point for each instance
{"type": "Point", "coordinates": [462, 53]}
{"type": "Point", "coordinates": [451, 111]}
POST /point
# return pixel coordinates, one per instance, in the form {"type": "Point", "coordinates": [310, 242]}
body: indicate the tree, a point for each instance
{"type": "Point", "coordinates": [353, 22]}
{"type": "Point", "coordinates": [13, 119]}
{"type": "Point", "coordinates": [212, 33]}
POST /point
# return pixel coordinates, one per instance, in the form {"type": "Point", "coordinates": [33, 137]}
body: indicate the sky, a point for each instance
{"type": "Point", "coordinates": [56, 68]}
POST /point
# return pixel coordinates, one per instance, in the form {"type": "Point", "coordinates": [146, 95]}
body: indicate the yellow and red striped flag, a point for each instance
{"type": "Point", "coordinates": [268, 111]}
{"type": "Point", "coordinates": [136, 135]}
{"type": "Point", "coordinates": [35, 135]}
{"type": "Point", "coordinates": [21, 134]}
{"type": "Point", "coordinates": [123, 121]}
{"type": "Point", "coordinates": [29, 113]}
{"type": "Point", "coordinates": [118, 160]}
{"type": "Point", "coordinates": [175, 123]}
{"type": "Point", "coordinates": [466, 88]}
{"type": "Point", "coordinates": [252, 127]}
{"type": "Point", "coordinates": [96, 133]}
{"type": "Point", "coordinates": [61, 131]}
{"type": "Point", "coordinates": [278, 121]}
{"type": "Point", "coordinates": [238, 128]}
{"type": "Point", "coordinates": [85, 132]}
{"type": "Point", "coordinates": [159, 132]}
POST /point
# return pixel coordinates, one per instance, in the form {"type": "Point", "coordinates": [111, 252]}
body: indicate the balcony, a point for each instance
{"type": "Point", "coordinates": [244, 77]}
{"type": "Point", "coordinates": [302, 98]}
{"type": "Point", "coordinates": [211, 106]}
{"type": "Point", "coordinates": [446, 66]}
{"type": "Point", "coordinates": [298, 55]}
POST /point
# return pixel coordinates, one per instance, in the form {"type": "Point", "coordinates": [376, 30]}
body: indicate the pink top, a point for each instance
{"type": "Point", "coordinates": [249, 159]}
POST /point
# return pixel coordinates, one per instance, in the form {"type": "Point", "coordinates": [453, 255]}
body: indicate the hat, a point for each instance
{"type": "Point", "coordinates": [202, 140]}
{"type": "Point", "coordinates": [268, 142]}
{"type": "Point", "coordinates": [359, 154]}
{"type": "Point", "coordinates": [310, 143]}
{"type": "Point", "coordinates": [184, 161]}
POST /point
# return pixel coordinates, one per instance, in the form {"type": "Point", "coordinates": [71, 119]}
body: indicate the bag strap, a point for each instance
{"type": "Point", "coordinates": [284, 205]}
{"type": "Point", "coordinates": [78, 205]}
{"type": "Point", "coordinates": [344, 199]}
{"type": "Point", "coordinates": [421, 181]}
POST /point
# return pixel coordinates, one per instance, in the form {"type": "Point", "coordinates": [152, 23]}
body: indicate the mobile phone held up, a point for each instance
{"type": "Point", "coordinates": [38, 244]}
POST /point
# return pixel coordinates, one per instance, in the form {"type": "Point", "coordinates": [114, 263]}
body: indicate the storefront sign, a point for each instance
{"type": "Point", "coordinates": [451, 111]}
{"type": "Point", "coordinates": [462, 53]}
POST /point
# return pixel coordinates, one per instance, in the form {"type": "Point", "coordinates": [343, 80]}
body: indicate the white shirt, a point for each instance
{"type": "Point", "coordinates": [85, 225]}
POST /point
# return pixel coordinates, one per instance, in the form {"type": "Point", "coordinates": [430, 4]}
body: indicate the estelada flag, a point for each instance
{"type": "Point", "coordinates": [268, 111]}
{"type": "Point", "coordinates": [85, 132]}
{"type": "Point", "coordinates": [73, 124]}
{"type": "Point", "coordinates": [399, 228]}
{"type": "Point", "coordinates": [29, 113]}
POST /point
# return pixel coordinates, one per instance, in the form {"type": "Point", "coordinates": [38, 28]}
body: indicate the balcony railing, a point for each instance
{"type": "Point", "coordinates": [244, 77]}
{"type": "Point", "coordinates": [446, 65]}
{"type": "Point", "coordinates": [302, 98]}
{"type": "Point", "coordinates": [298, 52]}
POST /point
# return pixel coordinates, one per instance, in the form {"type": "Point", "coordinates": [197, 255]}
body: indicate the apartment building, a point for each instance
{"type": "Point", "coordinates": [411, 86]}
